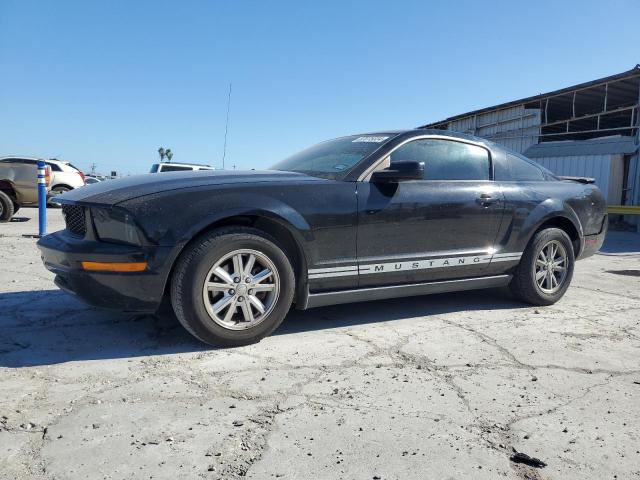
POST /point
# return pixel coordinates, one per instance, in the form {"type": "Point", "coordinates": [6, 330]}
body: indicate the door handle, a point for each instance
{"type": "Point", "coordinates": [486, 199]}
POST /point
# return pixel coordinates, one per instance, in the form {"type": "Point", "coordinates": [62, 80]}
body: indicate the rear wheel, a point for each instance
{"type": "Point", "coordinates": [232, 287]}
{"type": "Point", "coordinates": [546, 268]}
{"type": "Point", "coordinates": [6, 207]}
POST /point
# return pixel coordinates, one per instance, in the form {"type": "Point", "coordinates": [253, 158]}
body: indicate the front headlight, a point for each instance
{"type": "Point", "coordinates": [115, 225]}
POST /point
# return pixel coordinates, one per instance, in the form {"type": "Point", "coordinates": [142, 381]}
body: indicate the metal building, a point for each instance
{"type": "Point", "coordinates": [590, 130]}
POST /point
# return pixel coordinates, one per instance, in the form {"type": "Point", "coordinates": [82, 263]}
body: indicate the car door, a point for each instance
{"type": "Point", "coordinates": [26, 180]}
{"type": "Point", "coordinates": [441, 227]}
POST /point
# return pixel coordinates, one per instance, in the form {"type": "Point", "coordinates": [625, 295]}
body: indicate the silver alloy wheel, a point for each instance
{"type": "Point", "coordinates": [241, 289]}
{"type": "Point", "coordinates": [551, 267]}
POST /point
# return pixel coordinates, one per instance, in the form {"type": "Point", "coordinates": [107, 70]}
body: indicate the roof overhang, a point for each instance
{"type": "Point", "coordinates": [596, 146]}
{"type": "Point", "coordinates": [634, 72]}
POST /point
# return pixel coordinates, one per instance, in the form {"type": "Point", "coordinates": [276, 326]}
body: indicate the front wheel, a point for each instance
{"type": "Point", "coordinates": [546, 268]}
{"type": "Point", "coordinates": [232, 287]}
{"type": "Point", "coordinates": [6, 207]}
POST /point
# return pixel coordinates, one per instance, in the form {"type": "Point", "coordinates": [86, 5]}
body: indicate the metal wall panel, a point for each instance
{"type": "Point", "coordinates": [599, 167]}
{"type": "Point", "coordinates": [516, 128]}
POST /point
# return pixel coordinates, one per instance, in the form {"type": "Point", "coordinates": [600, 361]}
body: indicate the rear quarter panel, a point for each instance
{"type": "Point", "coordinates": [68, 176]}
{"type": "Point", "coordinates": [528, 205]}
{"type": "Point", "coordinates": [589, 204]}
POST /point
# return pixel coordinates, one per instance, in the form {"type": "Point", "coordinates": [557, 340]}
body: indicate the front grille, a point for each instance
{"type": "Point", "coordinates": [75, 219]}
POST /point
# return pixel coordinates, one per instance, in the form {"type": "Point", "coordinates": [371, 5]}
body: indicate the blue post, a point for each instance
{"type": "Point", "coordinates": [42, 199]}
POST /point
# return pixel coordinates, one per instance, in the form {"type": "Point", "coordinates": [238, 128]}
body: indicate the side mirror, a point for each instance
{"type": "Point", "coordinates": [400, 171]}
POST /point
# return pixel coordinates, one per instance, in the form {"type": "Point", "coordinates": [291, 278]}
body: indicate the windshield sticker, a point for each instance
{"type": "Point", "coordinates": [369, 140]}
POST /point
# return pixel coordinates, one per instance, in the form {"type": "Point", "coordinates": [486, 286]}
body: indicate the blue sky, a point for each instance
{"type": "Point", "coordinates": [111, 81]}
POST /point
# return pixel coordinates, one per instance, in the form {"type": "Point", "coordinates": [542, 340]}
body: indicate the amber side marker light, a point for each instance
{"type": "Point", "coordinates": [114, 266]}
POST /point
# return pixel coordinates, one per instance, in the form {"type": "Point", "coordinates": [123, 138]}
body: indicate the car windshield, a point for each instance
{"type": "Point", "coordinates": [334, 158]}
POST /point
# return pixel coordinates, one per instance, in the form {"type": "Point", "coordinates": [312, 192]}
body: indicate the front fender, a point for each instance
{"type": "Point", "coordinates": [193, 211]}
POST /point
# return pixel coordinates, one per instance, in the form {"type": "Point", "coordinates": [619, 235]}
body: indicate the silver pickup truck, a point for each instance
{"type": "Point", "coordinates": [19, 184]}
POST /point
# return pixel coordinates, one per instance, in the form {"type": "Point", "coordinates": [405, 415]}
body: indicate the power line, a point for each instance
{"type": "Point", "coordinates": [226, 128]}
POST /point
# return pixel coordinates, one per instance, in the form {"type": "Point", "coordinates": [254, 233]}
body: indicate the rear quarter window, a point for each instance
{"type": "Point", "coordinates": [523, 170]}
{"type": "Point", "coordinates": [55, 167]}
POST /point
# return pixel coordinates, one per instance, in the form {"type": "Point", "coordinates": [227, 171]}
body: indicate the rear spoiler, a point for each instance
{"type": "Point", "coordinates": [585, 180]}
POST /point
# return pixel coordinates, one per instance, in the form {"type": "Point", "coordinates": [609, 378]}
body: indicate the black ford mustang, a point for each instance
{"type": "Point", "coordinates": [357, 218]}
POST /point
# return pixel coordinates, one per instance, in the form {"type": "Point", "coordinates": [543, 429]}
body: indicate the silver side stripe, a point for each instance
{"type": "Point", "coordinates": [333, 274]}
{"type": "Point", "coordinates": [333, 271]}
{"type": "Point", "coordinates": [506, 257]}
{"type": "Point", "coordinates": [423, 264]}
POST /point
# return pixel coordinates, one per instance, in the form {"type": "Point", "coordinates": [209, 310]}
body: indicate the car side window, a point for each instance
{"type": "Point", "coordinates": [174, 168]}
{"type": "Point", "coordinates": [523, 171]}
{"type": "Point", "coordinates": [446, 159]}
{"type": "Point", "coordinates": [54, 167]}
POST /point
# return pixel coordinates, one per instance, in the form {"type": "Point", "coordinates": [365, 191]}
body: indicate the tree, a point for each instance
{"type": "Point", "coordinates": [169, 154]}
{"type": "Point", "coordinates": [162, 153]}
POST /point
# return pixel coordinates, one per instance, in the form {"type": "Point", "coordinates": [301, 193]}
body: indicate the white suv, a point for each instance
{"type": "Point", "coordinates": [64, 176]}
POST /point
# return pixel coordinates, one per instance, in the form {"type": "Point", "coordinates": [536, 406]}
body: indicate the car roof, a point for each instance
{"type": "Point", "coordinates": [47, 160]}
{"type": "Point", "coordinates": [18, 157]}
{"type": "Point", "coordinates": [425, 131]}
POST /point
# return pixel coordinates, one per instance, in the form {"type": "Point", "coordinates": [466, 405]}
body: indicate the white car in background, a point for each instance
{"type": "Point", "coordinates": [64, 176]}
{"type": "Point", "coordinates": [90, 180]}
{"type": "Point", "coordinates": [178, 167]}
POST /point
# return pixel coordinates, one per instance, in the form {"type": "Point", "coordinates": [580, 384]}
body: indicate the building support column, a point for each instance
{"type": "Point", "coordinates": [635, 163]}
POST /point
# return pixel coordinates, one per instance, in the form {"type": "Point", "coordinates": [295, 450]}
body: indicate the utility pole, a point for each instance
{"type": "Point", "coordinates": [226, 128]}
{"type": "Point", "coordinates": [93, 168]}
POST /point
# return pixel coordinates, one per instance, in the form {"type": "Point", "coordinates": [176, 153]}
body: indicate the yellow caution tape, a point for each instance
{"type": "Point", "coordinates": [624, 209]}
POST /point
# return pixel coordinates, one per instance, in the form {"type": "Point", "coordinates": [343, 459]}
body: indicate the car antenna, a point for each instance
{"type": "Point", "coordinates": [226, 127]}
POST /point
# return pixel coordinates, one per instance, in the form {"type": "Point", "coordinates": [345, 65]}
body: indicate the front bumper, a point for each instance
{"type": "Point", "coordinates": [136, 292]}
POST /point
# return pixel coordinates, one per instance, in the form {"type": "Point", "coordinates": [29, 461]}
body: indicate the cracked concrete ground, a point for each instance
{"type": "Point", "coordinates": [442, 387]}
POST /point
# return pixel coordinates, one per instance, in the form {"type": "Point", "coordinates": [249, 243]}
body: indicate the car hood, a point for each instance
{"type": "Point", "coordinates": [116, 191]}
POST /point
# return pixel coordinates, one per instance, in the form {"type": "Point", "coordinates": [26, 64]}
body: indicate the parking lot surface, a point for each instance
{"type": "Point", "coordinates": [444, 386]}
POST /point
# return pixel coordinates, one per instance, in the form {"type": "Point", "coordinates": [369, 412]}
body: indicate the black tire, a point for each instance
{"type": "Point", "coordinates": [6, 207]}
{"type": "Point", "coordinates": [524, 286]}
{"type": "Point", "coordinates": [193, 267]}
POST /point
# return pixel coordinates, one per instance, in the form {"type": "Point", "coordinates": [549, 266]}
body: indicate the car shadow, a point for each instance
{"type": "Point", "coordinates": [379, 311]}
{"type": "Point", "coordinates": [48, 327]}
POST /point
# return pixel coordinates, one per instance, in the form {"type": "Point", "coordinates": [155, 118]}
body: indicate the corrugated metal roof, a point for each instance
{"type": "Point", "coordinates": [595, 146]}
{"type": "Point", "coordinates": [619, 76]}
